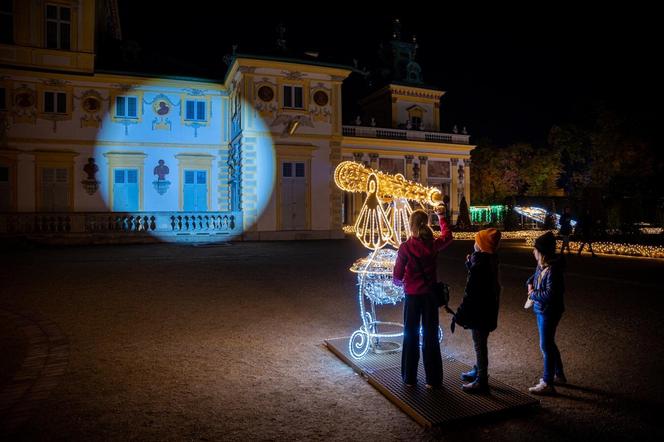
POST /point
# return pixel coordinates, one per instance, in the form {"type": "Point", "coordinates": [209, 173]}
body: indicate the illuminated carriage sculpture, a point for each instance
{"type": "Point", "coordinates": [383, 221]}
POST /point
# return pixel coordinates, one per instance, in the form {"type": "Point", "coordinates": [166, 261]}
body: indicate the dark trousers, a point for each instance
{"type": "Point", "coordinates": [565, 245]}
{"type": "Point", "coordinates": [480, 341]}
{"type": "Point", "coordinates": [421, 308]}
{"type": "Point", "coordinates": [553, 364]}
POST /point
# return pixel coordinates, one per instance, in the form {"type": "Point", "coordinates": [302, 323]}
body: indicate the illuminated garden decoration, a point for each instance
{"type": "Point", "coordinates": [538, 214]}
{"type": "Point", "coordinates": [487, 214]}
{"type": "Point", "coordinates": [383, 221]}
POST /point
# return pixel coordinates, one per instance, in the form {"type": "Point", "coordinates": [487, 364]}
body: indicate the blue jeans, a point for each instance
{"type": "Point", "coordinates": [480, 338]}
{"type": "Point", "coordinates": [424, 308]}
{"type": "Point", "coordinates": [553, 364]}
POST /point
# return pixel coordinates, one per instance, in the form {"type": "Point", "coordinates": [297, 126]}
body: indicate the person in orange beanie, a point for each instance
{"type": "Point", "coordinates": [479, 309]}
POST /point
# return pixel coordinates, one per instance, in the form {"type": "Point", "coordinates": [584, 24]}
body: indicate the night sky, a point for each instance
{"type": "Point", "coordinates": [509, 79]}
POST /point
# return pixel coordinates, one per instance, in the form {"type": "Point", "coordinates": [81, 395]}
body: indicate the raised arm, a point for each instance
{"type": "Point", "coordinates": [445, 238]}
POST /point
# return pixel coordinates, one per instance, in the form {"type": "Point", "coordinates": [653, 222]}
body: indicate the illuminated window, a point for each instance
{"type": "Point", "coordinates": [195, 110]}
{"type": "Point", "coordinates": [126, 107]}
{"type": "Point", "coordinates": [54, 189]}
{"type": "Point", "coordinates": [58, 27]}
{"type": "Point", "coordinates": [55, 102]}
{"type": "Point", "coordinates": [293, 97]}
{"type": "Point", "coordinates": [6, 21]}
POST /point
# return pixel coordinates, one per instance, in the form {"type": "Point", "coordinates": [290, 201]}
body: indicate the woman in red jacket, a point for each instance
{"type": "Point", "coordinates": [415, 269]}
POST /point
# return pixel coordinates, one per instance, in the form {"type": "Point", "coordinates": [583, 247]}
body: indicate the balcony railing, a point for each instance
{"type": "Point", "coordinates": [401, 134]}
{"type": "Point", "coordinates": [203, 225]}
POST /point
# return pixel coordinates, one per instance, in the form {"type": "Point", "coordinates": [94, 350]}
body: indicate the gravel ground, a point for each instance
{"type": "Point", "coordinates": [175, 342]}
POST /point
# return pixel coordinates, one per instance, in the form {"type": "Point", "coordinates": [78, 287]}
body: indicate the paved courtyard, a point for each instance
{"type": "Point", "coordinates": [176, 342]}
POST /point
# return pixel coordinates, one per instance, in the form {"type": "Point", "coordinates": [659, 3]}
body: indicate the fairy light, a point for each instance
{"type": "Point", "coordinates": [353, 177]}
{"type": "Point", "coordinates": [374, 281]}
{"type": "Point", "coordinates": [651, 230]}
{"type": "Point", "coordinates": [487, 214]}
{"type": "Point", "coordinates": [375, 271]}
{"type": "Point", "coordinates": [613, 248]}
{"type": "Point", "coordinates": [399, 214]}
{"type": "Point", "coordinates": [383, 220]}
{"type": "Point", "coordinates": [372, 227]}
{"type": "Point", "coordinates": [538, 214]}
{"type": "Point", "coordinates": [603, 247]}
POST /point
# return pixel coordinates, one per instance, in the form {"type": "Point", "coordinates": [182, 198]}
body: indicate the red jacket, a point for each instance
{"type": "Point", "coordinates": [408, 272]}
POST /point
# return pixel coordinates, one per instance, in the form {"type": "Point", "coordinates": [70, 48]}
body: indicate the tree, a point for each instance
{"type": "Point", "coordinates": [515, 170]}
{"type": "Point", "coordinates": [608, 153]}
{"type": "Point", "coordinates": [511, 220]}
{"type": "Point", "coordinates": [573, 146]}
{"type": "Point", "coordinates": [463, 221]}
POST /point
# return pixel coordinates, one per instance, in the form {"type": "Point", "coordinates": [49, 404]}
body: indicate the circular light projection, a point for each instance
{"type": "Point", "coordinates": [164, 163]}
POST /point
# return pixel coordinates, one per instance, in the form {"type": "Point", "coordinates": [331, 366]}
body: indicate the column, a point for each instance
{"type": "Point", "coordinates": [454, 194]}
{"type": "Point", "coordinates": [466, 180]}
{"type": "Point", "coordinates": [373, 161]}
{"type": "Point", "coordinates": [248, 190]}
{"type": "Point", "coordinates": [336, 197]}
{"type": "Point", "coordinates": [409, 167]}
{"type": "Point", "coordinates": [224, 179]}
{"type": "Point", "coordinates": [424, 170]}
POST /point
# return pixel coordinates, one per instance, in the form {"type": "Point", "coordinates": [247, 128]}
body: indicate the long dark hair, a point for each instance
{"type": "Point", "coordinates": [419, 222]}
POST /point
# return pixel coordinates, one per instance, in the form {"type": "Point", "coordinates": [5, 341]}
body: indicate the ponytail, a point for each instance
{"type": "Point", "coordinates": [419, 223]}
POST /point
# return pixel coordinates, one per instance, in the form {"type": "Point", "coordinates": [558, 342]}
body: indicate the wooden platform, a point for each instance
{"type": "Point", "coordinates": [431, 407]}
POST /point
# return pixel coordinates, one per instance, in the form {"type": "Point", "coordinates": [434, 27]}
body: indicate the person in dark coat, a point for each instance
{"type": "Point", "coordinates": [546, 288]}
{"type": "Point", "coordinates": [586, 226]}
{"type": "Point", "coordinates": [479, 308]}
{"type": "Point", "coordinates": [415, 270]}
{"type": "Point", "coordinates": [565, 229]}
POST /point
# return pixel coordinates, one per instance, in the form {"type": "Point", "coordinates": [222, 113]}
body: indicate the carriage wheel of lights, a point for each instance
{"type": "Point", "coordinates": [383, 221]}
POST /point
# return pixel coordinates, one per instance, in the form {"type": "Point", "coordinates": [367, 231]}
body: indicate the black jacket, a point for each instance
{"type": "Point", "coordinates": [565, 224]}
{"type": "Point", "coordinates": [479, 308]}
{"type": "Point", "coordinates": [549, 288]}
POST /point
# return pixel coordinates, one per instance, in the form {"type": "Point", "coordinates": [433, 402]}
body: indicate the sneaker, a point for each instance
{"type": "Point", "coordinates": [469, 376]}
{"type": "Point", "coordinates": [432, 386]}
{"type": "Point", "coordinates": [560, 379]}
{"type": "Point", "coordinates": [477, 386]}
{"type": "Point", "coordinates": [542, 388]}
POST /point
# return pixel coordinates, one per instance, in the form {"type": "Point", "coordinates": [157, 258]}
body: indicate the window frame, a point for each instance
{"type": "Point", "coordinates": [59, 23]}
